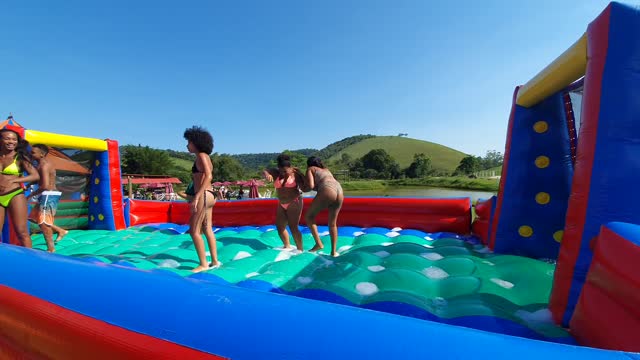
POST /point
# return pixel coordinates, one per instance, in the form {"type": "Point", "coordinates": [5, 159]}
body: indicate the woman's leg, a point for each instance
{"type": "Point", "coordinates": [293, 219]}
{"type": "Point", "coordinates": [334, 210]}
{"type": "Point", "coordinates": [318, 204]}
{"type": "Point", "coordinates": [18, 212]}
{"type": "Point", "coordinates": [208, 233]}
{"type": "Point", "coordinates": [195, 230]}
{"type": "Point", "coordinates": [2, 213]}
{"type": "Point", "coordinates": [281, 225]}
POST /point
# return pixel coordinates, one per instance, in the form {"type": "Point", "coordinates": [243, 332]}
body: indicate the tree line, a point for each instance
{"type": "Point", "coordinates": [376, 164]}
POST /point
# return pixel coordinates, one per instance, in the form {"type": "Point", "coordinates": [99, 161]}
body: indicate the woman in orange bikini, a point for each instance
{"type": "Point", "coordinates": [15, 160]}
{"type": "Point", "coordinates": [288, 182]}
{"type": "Point", "coordinates": [329, 196]}
{"type": "Point", "coordinates": [200, 142]}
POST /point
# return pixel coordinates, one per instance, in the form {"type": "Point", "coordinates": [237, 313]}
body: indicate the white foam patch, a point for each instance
{"type": "Point", "coordinates": [324, 233]}
{"type": "Point", "coordinates": [169, 263]}
{"type": "Point", "coordinates": [242, 255]}
{"type": "Point", "coordinates": [295, 252]}
{"type": "Point", "coordinates": [381, 254]}
{"type": "Point", "coordinates": [542, 316]}
{"type": "Point", "coordinates": [344, 248]}
{"type": "Point", "coordinates": [304, 280]}
{"type": "Point", "coordinates": [386, 243]}
{"type": "Point", "coordinates": [252, 274]}
{"type": "Point", "coordinates": [504, 283]}
{"type": "Point", "coordinates": [376, 268]}
{"type": "Point", "coordinates": [358, 233]}
{"type": "Point", "coordinates": [396, 229]}
{"type": "Point", "coordinates": [283, 255]}
{"type": "Point", "coordinates": [282, 248]}
{"type": "Point", "coordinates": [207, 253]}
{"type": "Point", "coordinates": [488, 263]}
{"type": "Point", "coordinates": [366, 288]}
{"type": "Point", "coordinates": [428, 246]}
{"type": "Point", "coordinates": [270, 229]}
{"type": "Point", "coordinates": [428, 238]}
{"type": "Point", "coordinates": [392, 234]}
{"type": "Point", "coordinates": [435, 273]}
{"type": "Point", "coordinates": [433, 256]}
{"type": "Point", "coordinates": [439, 302]}
{"type": "Point", "coordinates": [483, 250]}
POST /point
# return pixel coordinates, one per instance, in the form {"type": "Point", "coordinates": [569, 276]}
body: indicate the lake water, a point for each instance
{"type": "Point", "coordinates": [414, 191]}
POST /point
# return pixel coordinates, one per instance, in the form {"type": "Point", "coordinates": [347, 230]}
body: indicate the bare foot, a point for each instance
{"type": "Point", "coordinates": [61, 235]}
{"type": "Point", "coordinates": [51, 250]}
{"type": "Point", "coordinates": [215, 265]}
{"type": "Point", "coordinates": [316, 247]}
{"type": "Point", "coordinates": [334, 254]}
{"type": "Point", "coordinates": [200, 268]}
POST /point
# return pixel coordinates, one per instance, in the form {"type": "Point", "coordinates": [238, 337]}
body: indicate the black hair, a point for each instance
{"type": "Point", "coordinates": [315, 161]}
{"type": "Point", "coordinates": [42, 147]}
{"type": "Point", "coordinates": [201, 138]}
{"type": "Point", "coordinates": [21, 149]}
{"type": "Point", "coordinates": [284, 160]}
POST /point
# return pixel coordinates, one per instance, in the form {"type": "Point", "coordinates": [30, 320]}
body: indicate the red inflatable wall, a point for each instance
{"type": "Point", "coordinates": [607, 313]}
{"type": "Point", "coordinates": [431, 215]}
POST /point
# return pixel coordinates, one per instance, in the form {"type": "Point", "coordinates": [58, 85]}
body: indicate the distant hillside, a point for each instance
{"type": "Point", "coordinates": [402, 150]}
{"type": "Point", "coordinates": [336, 147]}
{"type": "Point", "coordinates": [259, 161]}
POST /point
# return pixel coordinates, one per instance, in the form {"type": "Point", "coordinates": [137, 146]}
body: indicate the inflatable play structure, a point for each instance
{"type": "Point", "coordinates": [546, 269]}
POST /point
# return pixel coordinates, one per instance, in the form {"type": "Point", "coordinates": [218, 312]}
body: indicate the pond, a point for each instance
{"type": "Point", "coordinates": [415, 191]}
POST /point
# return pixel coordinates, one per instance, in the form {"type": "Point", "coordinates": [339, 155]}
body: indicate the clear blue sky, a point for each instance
{"type": "Point", "coordinates": [265, 76]}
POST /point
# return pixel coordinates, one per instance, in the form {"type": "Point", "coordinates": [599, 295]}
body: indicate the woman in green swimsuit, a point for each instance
{"type": "Point", "coordinates": [14, 161]}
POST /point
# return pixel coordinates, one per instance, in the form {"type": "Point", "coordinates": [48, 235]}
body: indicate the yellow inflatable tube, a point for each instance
{"type": "Point", "coordinates": [64, 141]}
{"type": "Point", "coordinates": [565, 69]}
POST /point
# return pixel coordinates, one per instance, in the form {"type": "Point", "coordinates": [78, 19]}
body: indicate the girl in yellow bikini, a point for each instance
{"type": "Point", "coordinates": [288, 182]}
{"type": "Point", "coordinates": [202, 199]}
{"type": "Point", "coordinates": [14, 161]}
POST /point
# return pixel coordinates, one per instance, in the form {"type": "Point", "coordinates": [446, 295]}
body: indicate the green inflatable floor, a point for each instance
{"type": "Point", "coordinates": [439, 277]}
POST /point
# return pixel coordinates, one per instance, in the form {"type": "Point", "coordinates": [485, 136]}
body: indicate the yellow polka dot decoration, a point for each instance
{"type": "Point", "coordinates": [543, 198]}
{"type": "Point", "coordinates": [101, 217]}
{"type": "Point", "coordinates": [557, 236]}
{"type": "Point", "coordinates": [95, 199]}
{"type": "Point", "coordinates": [540, 127]}
{"type": "Point", "coordinates": [97, 181]}
{"type": "Point", "coordinates": [93, 218]}
{"type": "Point", "coordinates": [525, 231]}
{"type": "Point", "coordinates": [542, 161]}
{"type": "Point", "coordinates": [97, 162]}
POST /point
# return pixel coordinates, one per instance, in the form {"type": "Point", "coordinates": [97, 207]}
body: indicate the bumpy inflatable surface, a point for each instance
{"type": "Point", "coordinates": [434, 276]}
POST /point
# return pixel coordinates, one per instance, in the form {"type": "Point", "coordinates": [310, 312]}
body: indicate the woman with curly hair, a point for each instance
{"type": "Point", "coordinates": [15, 159]}
{"type": "Point", "coordinates": [200, 143]}
{"type": "Point", "coordinates": [329, 196]}
{"type": "Point", "coordinates": [288, 181]}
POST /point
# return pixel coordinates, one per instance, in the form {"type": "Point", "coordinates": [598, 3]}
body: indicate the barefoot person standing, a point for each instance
{"type": "Point", "coordinates": [44, 211]}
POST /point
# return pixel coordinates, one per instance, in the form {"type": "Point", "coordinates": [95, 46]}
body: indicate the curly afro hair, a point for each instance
{"type": "Point", "coordinates": [201, 138]}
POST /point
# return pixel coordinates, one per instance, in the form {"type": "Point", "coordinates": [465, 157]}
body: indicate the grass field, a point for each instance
{"type": "Point", "coordinates": [443, 182]}
{"type": "Point", "coordinates": [402, 150]}
{"type": "Point", "coordinates": [182, 163]}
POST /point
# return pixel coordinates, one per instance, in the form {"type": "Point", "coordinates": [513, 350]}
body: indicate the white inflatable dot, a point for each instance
{"type": "Point", "coordinates": [304, 280]}
{"type": "Point", "coordinates": [242, 255]}
{"type": "Point", "coordinates": [376, 268]}
{"type": "Point", "coordinates": [386, 243]}
{"type": "Point", "coordinates": [428, 238]}
{"type": "Point", "coordinates": [324, 233]}
{"type": "Point", "coordinates": [358, 233]}
{"type": "Point", "coordinates": [169, 263]}
{"type": "Point", "coordinates": [504, 283]}
{"type": "Point", "coordinates": [252, 274]}
{"type": "Point", "coordinates": [396, 229]}
{"type": "Point", "coordinates": [433, 256]}
{"type": "Point", "coordinates": [283, 255]}
{"type": "Point", "coordinates": [435, 273]}
{"type": "Point", "coordinates": [381, 254]}
{"type": "Point", "coordinates": [392, 234]}
{"type": "Point", "coordinates": [366, 288]}
{"type": "Point", "coordinates": [344, 248]}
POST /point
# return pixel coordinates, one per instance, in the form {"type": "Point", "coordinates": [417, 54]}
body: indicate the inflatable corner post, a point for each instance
{"type": "Point", "coordinates": [534, 189]}
{"type": "Point", "coordinates": [607, 164]}
{"type": "Point", "coordinates": [105, 199]}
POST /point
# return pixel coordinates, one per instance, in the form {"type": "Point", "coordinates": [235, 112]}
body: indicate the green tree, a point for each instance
{"type": "Point", "coordinates": [492, 159]}
{"type": "Point", "coordinates": [468, 165]}
{"type": "Point", "coordinates": [145, 160]}
{"type": "Point", "coordinates": [298, 160]}
{"type": "Point", "coordinates": [420, 167]}
{"type": "Point", "coordinates": [383, 163]}
{"type": "Point", "coordinates": [226, 168]}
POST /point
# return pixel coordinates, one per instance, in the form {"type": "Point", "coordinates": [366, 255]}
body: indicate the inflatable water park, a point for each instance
{"type": "Point", "coordinates": [548, 268]}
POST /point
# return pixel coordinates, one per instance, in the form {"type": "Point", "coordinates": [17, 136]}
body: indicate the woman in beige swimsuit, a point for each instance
{"type": "Point", "coordinates": [329, 196]}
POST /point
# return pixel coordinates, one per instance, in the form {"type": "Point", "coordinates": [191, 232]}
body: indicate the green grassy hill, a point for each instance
{"type": "Point", "coordinates": [182, 163]}
{"type": "Point", "coordinates": [402, 149]}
